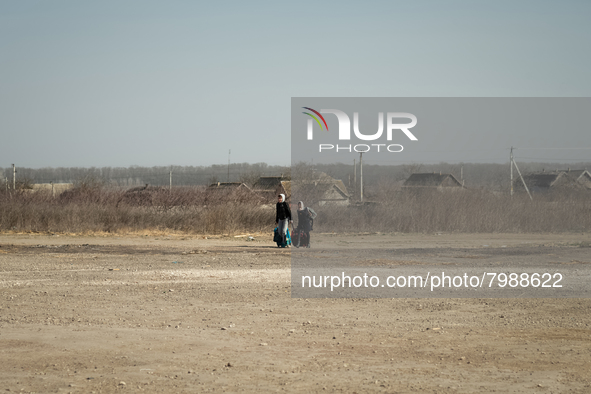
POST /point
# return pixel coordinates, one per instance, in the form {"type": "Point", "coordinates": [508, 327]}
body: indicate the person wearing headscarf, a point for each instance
{"type": "Point", "coordinates": [283, 216]}
{"type": "Point", "coordinates": [306, 217]}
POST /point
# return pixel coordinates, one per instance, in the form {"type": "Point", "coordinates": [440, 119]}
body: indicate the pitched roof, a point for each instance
{"type": "Point", "coordinates": [542, 180]}
{"type": "Point", "coordinates": [576, 173]}
{"type": "Point", "coordinates": [341, 186]}
{"type": "Point", "coordinates": [325, 179]}
{"type": "Point", "coordinates": [227, 186]}
{"type": "Point", "coordinates": [323, 183]}
{"type": "Point", "coordinates": [579, 174]}
{"type": "Point", "coordinates": [562, 178]}
{"type": "Point", "coordinates": [432, 180]}
{"type": "Point", "coordinates": [287, 187]}
{"type": "Point", "coordinates": [326, 182]}
{"type": "Point", "coordinates": [332, 191]}
{"type": "Point", "coordinates": [268, 183]}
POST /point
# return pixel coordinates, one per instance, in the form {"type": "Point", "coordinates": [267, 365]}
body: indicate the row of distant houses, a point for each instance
{"type": "Point", "coordinates": [556, 180]}
{"type": "Point", "coordinates": [333, 191]}
{"type": "Point", "coordinates": [326, 189]}
{"type": "Point", "coordinates": [536, 182]}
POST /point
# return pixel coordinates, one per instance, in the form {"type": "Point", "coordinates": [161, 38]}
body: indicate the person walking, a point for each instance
{"type": "Point", "coordinates": [306, 216]}
{"type": "Point", "coordinates": [282, 217]}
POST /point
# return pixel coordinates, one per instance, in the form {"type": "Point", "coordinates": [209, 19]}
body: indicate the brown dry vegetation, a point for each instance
{"type": "Point", "coordinates": [84, 209]}
{"type": "Point", "coordinates": [96, 208]}
{"type": "Point", "coordinates": [469, 211]}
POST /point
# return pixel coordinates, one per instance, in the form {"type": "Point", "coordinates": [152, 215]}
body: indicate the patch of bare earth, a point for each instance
{"type": "Point", "coordinates": [151, 314]}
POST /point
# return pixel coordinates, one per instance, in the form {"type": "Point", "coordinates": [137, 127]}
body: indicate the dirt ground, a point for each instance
{"type": "Point", "coordinates": [85, 314]}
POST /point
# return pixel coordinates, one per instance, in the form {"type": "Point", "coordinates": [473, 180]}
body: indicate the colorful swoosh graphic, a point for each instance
{"type": "Point", "coordinates": [315, 118]}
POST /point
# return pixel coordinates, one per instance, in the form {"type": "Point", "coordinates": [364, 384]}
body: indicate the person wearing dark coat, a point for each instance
{"type": "Point", "coordinates": [283, 216]}
{"type": "Point", "coordinates": [306, 218]}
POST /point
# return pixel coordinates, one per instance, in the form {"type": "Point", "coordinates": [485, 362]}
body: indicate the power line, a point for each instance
{"type": "Point", "coordinates": [585, 148]}
{"type": "Point", "coordinates": [546, 158]}
{"type": "Point", "coordinates": [460, 150]}
{"type": "Point", "coordinates": [486, 160]}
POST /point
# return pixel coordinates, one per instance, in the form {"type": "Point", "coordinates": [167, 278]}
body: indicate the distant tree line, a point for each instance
{"type": "Point", "coordinates": [136, 175]}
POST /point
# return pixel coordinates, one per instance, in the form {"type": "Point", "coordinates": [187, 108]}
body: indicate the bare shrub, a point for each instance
{"type": "Point", "coordinates": [89, 209]}
{"type": "Point", "coordinates": [195, 210]}
{"type": "Point", "coordinates": [462, 211]}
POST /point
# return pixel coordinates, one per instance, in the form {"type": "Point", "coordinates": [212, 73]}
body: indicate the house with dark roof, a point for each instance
{"type": "Point", "coordinates": [434, 181]}
{"type": "Point", "coordinates": [322, 190]}
{"type": "Point", "coordinates": [269, 187]}
{"type": "Point", "coordinates": [581, 176]}
{"type": "Point", "coordinates": [539, 182]}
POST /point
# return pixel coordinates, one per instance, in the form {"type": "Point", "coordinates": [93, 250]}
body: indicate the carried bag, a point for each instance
{"type": "Point", "coordinates": [304, 240]}
{"type": "Point", "coordinates": [277, 238]}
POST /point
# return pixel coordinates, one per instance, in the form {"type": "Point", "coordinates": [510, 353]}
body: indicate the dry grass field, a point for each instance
{"type": "Point", "coordinates": [150, 313]}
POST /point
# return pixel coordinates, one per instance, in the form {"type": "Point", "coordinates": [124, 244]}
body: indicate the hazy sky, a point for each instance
{"type": "Point", "coordinates": [149, 83]}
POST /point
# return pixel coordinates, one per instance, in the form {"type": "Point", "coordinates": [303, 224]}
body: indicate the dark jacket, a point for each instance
{"type": "Point", "coordinates": [305, 217]}
{"type": "Point", "coordinates": [283, 211]}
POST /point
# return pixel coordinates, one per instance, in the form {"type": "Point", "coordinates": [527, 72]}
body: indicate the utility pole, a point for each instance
{"type": "Point", "coordinates": [170, 180]}
{"type": "Point", "coordinates": [520, 176]}
{"type": "Point", "coordinates": [354, 178]}
{"type": "Point", "coordinates": [13, 177]}
{"type": "Point", "coordinates": [511, 165]}
{"type": "Point", "coordinates": [361, 174]}
{"type": "Point", "coordinates": [228, 177]}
